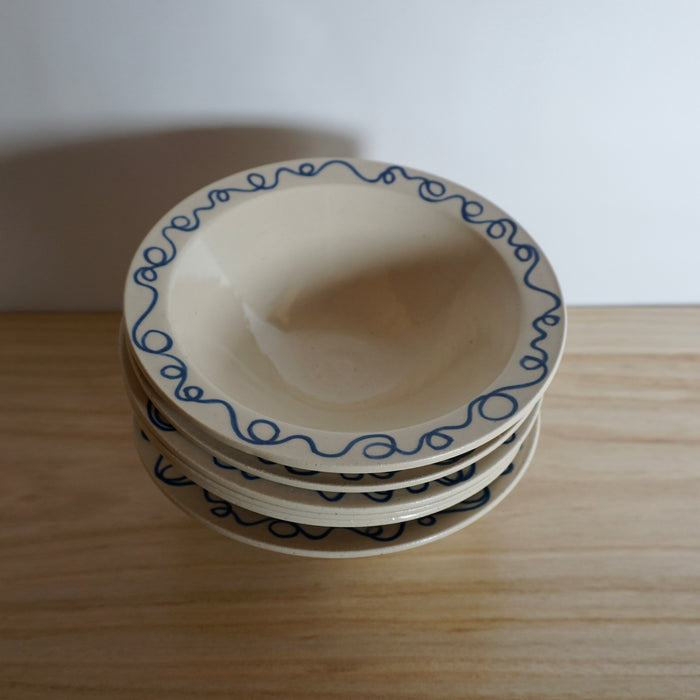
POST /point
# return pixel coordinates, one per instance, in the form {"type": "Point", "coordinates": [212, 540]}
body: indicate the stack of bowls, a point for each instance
{"type": "Point", "coordinates": [338, 357]}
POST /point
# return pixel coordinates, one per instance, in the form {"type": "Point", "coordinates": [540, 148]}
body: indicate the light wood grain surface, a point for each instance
{"type": "Point", "coordinates": [584, 583]}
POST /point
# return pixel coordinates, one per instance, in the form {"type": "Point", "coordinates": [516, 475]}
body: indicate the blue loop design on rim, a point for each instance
{"type": "Point", "coordinates": [161, 470]}
{"type": "Point", "coordinates": [157, 420]}
{"type": "Point", "coordinates": [263, 432]}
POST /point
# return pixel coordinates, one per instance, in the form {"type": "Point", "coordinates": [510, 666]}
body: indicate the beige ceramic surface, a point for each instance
{"type": "Point", "coordinates": [141, 393]}
{"type": "Point", "coordinates": [330, 314]}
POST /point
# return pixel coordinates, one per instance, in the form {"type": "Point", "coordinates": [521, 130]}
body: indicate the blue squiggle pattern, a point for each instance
{"type": "Point", "coordinates": [458, 477]}
{"type": "Point", "coordinates": [286, 530]}
{"type": "Point", "coordinates": [497, 405]}
{"type": "Point", "coordinates": [448, 481]}
{"type": "Point", "coordinates": [508, 469]}
{"type": "Point", "coordinates": [462, 475]}
{"type": "Point", "coordinates": [156, 418]}
{"type": "Point", "coordinates": [296, 471]}
{"type": "Point", "coordinates": [162, 470]}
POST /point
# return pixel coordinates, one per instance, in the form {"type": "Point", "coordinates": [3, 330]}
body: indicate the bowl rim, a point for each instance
{"type": "Point", "coordinates": [518, 386]}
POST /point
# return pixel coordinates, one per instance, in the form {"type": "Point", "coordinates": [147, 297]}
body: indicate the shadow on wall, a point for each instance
{"type": "Point", "coordinates": [72, 215]}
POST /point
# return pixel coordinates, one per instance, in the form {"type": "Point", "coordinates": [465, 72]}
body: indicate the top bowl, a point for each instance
{"type": "Point", "coordinates": [329, 313]}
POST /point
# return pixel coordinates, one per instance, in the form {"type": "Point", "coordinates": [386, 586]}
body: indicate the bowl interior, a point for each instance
{"type": "Point", "coordinates": [344, 308]}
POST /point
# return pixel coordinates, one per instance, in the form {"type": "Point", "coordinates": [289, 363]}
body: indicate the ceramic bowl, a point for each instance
{"type": "Point", "coordinates": [328, 542]}
{"type": "Point", "coordinates": [343, 313]}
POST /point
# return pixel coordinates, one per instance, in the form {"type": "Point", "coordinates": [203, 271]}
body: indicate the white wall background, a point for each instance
{"type": "Point", "coordinates": [581, 118]}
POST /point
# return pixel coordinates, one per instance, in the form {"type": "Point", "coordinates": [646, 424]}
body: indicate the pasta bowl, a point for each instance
{"type": "Point", "coordinates": [344, 314]}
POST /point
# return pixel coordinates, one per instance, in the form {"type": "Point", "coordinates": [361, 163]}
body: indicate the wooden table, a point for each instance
{"type": "Point", "coordinates": [585, 582]}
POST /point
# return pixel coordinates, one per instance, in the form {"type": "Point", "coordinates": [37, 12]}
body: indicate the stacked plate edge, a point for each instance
{"type": "Point", "coordinates": [456, 423]}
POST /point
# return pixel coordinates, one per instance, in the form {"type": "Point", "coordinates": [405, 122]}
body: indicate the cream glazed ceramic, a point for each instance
{"type": "Point", "coordinates": [329, 508]}
{"type": "Point", "coordinates": [152, 408]}
{"type": "Point", "coordinates": [327, 542]}
{"type": "Point", "coordinates": [337, 314]}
